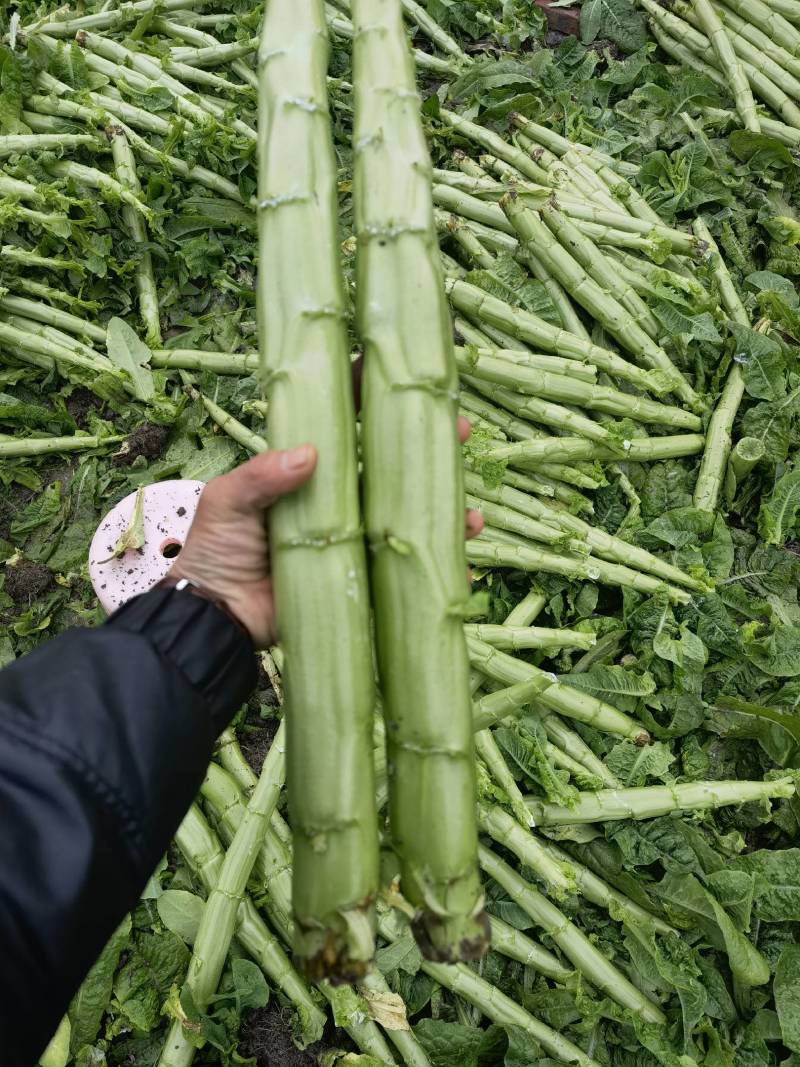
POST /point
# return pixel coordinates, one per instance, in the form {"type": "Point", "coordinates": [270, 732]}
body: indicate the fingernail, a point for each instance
{"type": "Point", "coordinates": [295, 458]}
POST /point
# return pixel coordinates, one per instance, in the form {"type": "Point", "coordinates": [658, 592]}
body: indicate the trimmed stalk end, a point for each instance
{"type": "Point", "coordinates": [339, 952]}
{"type": "Point", "coordinates": [452, 938]}
{"type": "Point", "coordinates": [642, 739]}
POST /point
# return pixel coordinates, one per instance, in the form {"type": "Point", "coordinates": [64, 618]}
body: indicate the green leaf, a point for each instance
{"type": "Point", "coordinates": [787, 996]}
{"type": "Point", "coordinates": [217, 456]}
{"type": "Point", "coordinates": [447, 1043]}
{"type": "Point", "coordinates": [250, 984]}
{"type": "Point", "coordinates": [41, 509]}
{"type": "Point", "coordinates": [57, 1052]}
{"type": "Point", "coordinates": [131, 355]}
{"type": "Point", "coordinates": [612, 681]}
{"type": "Point", "coordinates": [155, 963]}
{"type": "Point", "coordinates": [523, 1050]}
{"type": "Point", "coordinates": [776, 653]}
{"type": "Point", "coordinates": [617, 20]}
{"type": "Point", "coordinates": [697, 327]}
{"type": "Point", "coordinates": [634, 765]}
{"type": "Point", "coordinates": [90, 1002]}
{"type": "Point", "coordinates": [761, 360]}
{"type": "Point", "coordinates": [778, 513]}
{"type": "Point", "coordinates": [181, 911]}
{"type": "Point", "coordinates": [777, 885]}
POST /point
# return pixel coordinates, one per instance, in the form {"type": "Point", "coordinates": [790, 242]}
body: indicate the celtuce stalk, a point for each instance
{"type": "Point", "coordinates": [718, 436]}
{"type": "Point", "coordinates": [97, 179]}
{"type": "Point", "coordinates": [509, 941]}
{"type": "Point", "coordinates": [507, 703]}
{"type": "Point", "coordinates": [563, 699]}
{"type": "Point", "coordinates": [41, 446]}
{"type": "Point", "coordinates": [527, 557]}
{"type": "Point", "coordinates": [600, 303]}
{"type": "Point", "coordinates": [575, 945]}
{"type": "Point", "coordinates": [62, 320]}
{"type": "Point", "coordinates": [769, 21]}
{"type": "Point", "coordinates": [504, 518]}
{"type": "Point", "coordinates": [476, 304]}
{"type": "Point", "coordinates": [236, 430]}
{"type": "Point", "coordinates": [720, 42]}
{"type": "Point", "coordinates": [235, 363]}
{"type": "Point", "coordinates": [495, 762]}
{"type": "Point", "coordinates": [516, 638]}
{"type": "Point", "coordinates": [214, 55]}
{"type": "Point", "coordinates": [506, 831]}
{"type": "Point", "coordinates": [107, 20]}
{"type": "Point", "coordinates": [43, 142]}
{"type": "Point", "coordinates": [218, 922]}
{"type": "Point", "coordinates": [414, 522]}
{"type": "Point", "coordinates": [567, 368]}
{"type": "Point", "coordinates": [496, 145]}
{"type": "Point", "coordinates": [574, 449]}
{"type": "Point", "coordinates": [202, 851]}
{"type": "Point", "coordinates": [374, 986]}
{"type": "Point", "coordinates": [649, 802]}
{"type": "Point", "coordinates": [515, 375]}
{"type": "Point", "coordinates": [125, 165]}
{"type": "Point", "coordinates": [601, 543]}
{"type": "Point", "coordinates": [315, 536]}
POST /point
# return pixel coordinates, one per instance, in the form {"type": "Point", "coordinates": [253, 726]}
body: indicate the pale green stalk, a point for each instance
{"type": "Point", "coordinates": [575, 945]}
{"type": "Point", "coordinates": [354, 1019]}
{"type": "Point", "coordinates": [214, 55]}
{"type": "Point", "coordinates": [484, 551]}
{"type": "Point", "coordinates": [710, 23]}
{"type": "Point", "coordinates": [747, 453]}
{"type": "Point", "coordinates": [106, 110]}
{"type": "Point", "coordinates": [200, 40]}
{"type": "Point", "coordinates": [218, 921]}
{"type": "Point", "coordinates": [203, 853]}
{"type": "Point", "coordinates": [62, 320]}
{"type": "Point", "coordinates": [528, 609]}
{"type": "Point", "coordinates": [535, 381]}
{"type": "Point", "coordinates": [604, 895]}
{"type": "Point", "coordinates": [343, 27]}
{"type": "Point", "coordinates": [752, 44]}
{"type": "Point", "coordinates": [197, 76]}
{"type": "Point", "coordinates": [506, 831]}
{"type": "Point", "coordinates": [39, 446]}
{"type": "Point", "coordinates": [490, 753]}
{"type": "Point", "coordinates": [570, 319]}
{"type": "Point", "coordinates": [125, 166]}
{"type": "Point", "coordinates": [790, 9]}
{"type": "Point", "coordinates": [599, 302]}
{"type": "Point", "coordinates": [318, 558]}
{"type": "Point", "coordinates": [28, 341]}
{"type": "Point", "coordinates": [769, 21]}
{"type": "Point", "coordinates": [509, 702]}
{"type": "Point", "coordinates": [433, 31]}
{"type": "Point", "coordinates": [476, 304]}
{"type": "Point", "coordinates": [720, 425]}
{"type": "Point", "coordinates": [570, 368]}
{"type": "Point", "coordinates": [236, 430]}
{"type": "Point", "coordinates": [651, 802]}
{"type": "Point", "coordinates": [415, 522]}
{"type": "Point", "coordinates": [43, 142]}
{"type": "Point", "coordinates": [600, 542]}
{"type": "Point", "coordinates": [97, 179]}
{"type": "Point", "coordinates": [373, 986]}
{"type": "Point", "coordinates": [573, 703]}
{"type": "Point", "coordinates": [495, 144]}
{"type": "Point", "coordinates": [236, 363]}
{"type": "Point", "coordinates": [510, 942]}
{"type": "Point", "coordinates": [476, 254]}
{"type": "Point", "coordinates": [512, 638]}
{"type": "Point", "coordinates": [55, 26]}
{"type": "Point", "coordinates": [575, 449]}
{"type": "Point", "coordinates": [20, 190]}
{"type": "Point", "coordinates": [572, 746]}
{"type": "Point", "coordinates": [505, 518]}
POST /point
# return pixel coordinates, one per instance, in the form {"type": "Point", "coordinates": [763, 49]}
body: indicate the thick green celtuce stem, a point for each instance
{"type": "Point", "coordinates": [485, 552]}
{"type": "Point", "coordinates": [769, 21]}
{"type": "Point", "coordinates": [318, 559]}
{"type": "Point", "coordinates": [62, 320]}
{"type": "Point", "coordinates": [747, 453]}
{"type": "Point", "coordinates": [601, 543]}
{"type": "Point", "coordinates": [373, 986]}
{"type": "Point", "coordinates": [125, 165]}
{"type": "Point", "coordinates": [32, 343]}
{"type": "Point", "coordinates": [576, 449]}
{"type": "Point", "coordinates": [575, 945]}
{"type": "Point", "coordinates": [495, 762]}
{"type": "Point", "coordinates": [501, 1009]}
{"type": "Point", "coordinates": [520, 357]}
{"type": "Point", "coordinates": [567, 701]}
{"type": "Point", "coordinates": [236, 430]}
{"type": "Point", "coordinates": [201, 849]}
{"type": "Point", "coordinates": [544, 412]}
{"type": "Point", "coordinates": [414, 516]}
{"type": "Point", "coordinates": [236, 363]}
{"type": "Point", "coordinates": [476, 304]}
{"type": "Point", "coordinates": [528, 609]}
{"type": "Point", "coordinates": [506, 831]}
{"type": "Point", "coordinates": [43, 142]}
{"type": "Point", "coordinates": [509, 941]}
{"type": "Point", "coordinates": [729, 64]}
{"type": "Point", "coordinates": [512, 638]}
{"type": "Point", "coordinates": [649, 802]}
{"type": "Point", "coordinates": [534, 381]}
{"type": "Point", "coordinates": [495, 144]}
{"type": "Point", "coordinates": [507, 703]}
{"type": "Point", "coordinates": [104, 183]}
{"type": "Point", "coordinates": [107, 20]}
{"type": "Point", "coordinates": [40, 446]}
{"type": "Point", "coordinates": [218, 922]}
{"type": "Point", "coordinates": [720, 426]}
{"type": "Point", "coordinates": [433, 31]}
{"type": "Point", "coordinates": [273, 863]}
{"type": "Point", "coordinates": [504, 518]}
{"type": "Point", "coordinates": [355, 1021]}
{"type": "Point", "coordinates": [214, 55]}
{"type": "Point", "coordinates": [599, 302]}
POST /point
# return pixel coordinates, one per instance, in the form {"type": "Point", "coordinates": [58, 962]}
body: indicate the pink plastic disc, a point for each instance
{"type": "Point", "coordinates": [169, 508]}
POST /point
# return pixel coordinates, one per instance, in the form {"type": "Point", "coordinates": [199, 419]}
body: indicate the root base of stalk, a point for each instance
{"type": "Point", "coordinates": [451, 939]}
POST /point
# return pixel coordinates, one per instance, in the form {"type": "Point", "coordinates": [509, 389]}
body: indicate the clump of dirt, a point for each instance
{"type": "Point", "coordinates": [148, 440]}
{"type": "Point", "coordinates": [267, 1036]}
{"type": "Point", "coordinates": [80, 403]}
{"type": "Point", "coordinates": [26, 581]}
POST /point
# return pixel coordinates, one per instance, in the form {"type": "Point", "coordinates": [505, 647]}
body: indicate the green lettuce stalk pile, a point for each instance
{"type": "Point", "coordinates": [590, 250]}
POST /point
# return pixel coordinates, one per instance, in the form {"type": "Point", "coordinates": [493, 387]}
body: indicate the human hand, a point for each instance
{"type": "Point", "coordinates": [226, 551]}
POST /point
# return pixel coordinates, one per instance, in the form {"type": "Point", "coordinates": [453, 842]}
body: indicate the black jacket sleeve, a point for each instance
{"type": "Point", "coordinates": [105, 735]}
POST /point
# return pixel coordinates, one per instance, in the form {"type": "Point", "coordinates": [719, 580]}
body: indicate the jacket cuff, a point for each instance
{"type": "Point", "coordinates": [215, 655]}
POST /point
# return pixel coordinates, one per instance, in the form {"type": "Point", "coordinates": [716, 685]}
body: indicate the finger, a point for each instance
{"type": "Point", "coordinates": [464, 428]}
{"type": "Point", "coordinates": [257, 484]}
{"type": "Point", "coordinates": [474, 523]}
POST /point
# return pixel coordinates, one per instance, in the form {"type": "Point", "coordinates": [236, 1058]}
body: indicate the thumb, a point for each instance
{"type": "Point", "coordinates": [257, 484]}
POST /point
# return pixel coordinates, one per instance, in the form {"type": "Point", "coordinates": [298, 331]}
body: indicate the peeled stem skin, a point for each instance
{"type": "Point", "coordinates": [318, 557]}
{"type": "Point", "coordinates": [414, 496]}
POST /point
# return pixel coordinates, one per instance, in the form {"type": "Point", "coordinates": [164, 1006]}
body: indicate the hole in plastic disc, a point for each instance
{"type": "Point", "coordinates": [171, 548]}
